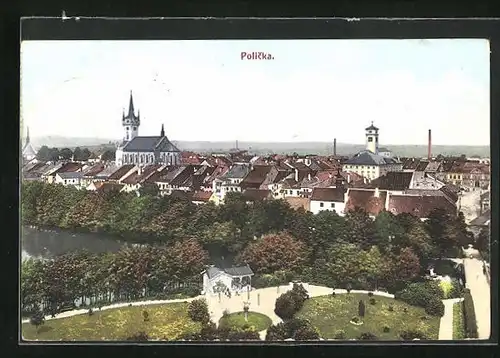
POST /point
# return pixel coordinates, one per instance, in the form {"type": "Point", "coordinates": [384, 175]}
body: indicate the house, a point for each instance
{"type": "Point", "coordinates": [104, 174]}
{"type": "Point", "coordinates": [89, 174]}
{"type": "Point", "coordinates": [201, 197]}
{"type": "Point", "coordinates": [420, 205]}
{"type": "Point", "coordinates": [234, 279]}
{"type": "Point", "coordinates": [424, 180]}
{"type": "Point", "coordinates": [485, 201]}
{"type": "Point", "coordinates": [372, 201]}
{"type": "Point", "coordinates": [477, 224]}
{"type": "Point", "coordinates": [122, 172]}
{"type": "Point", "coordinates": [392, 181]}
{"type": "Point", "coordinates": [256, 176]}
{"type": "Point", "coordinates": [384, 152]}
{"type": "Point", "coordinates": [175, 178]}
{"type": "Point", "coordinates": [231, 180]}
{"type": "Point", "coordinates": [332, 199]}
{"type": "Point", "coordinates": [69, 178]}
{"type": "Point", "coordinates": [251, 195]}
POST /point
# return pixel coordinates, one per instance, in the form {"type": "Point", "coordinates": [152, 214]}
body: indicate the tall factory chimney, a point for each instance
{"type": "Point", "coordinates": [429, 146]}
{"type": "Point", "coordinates": [335, 147]}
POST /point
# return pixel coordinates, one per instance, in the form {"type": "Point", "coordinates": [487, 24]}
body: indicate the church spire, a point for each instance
{"type": "Point", "coordinates": [131, 113]}
{"type": "Point", "coordinates": [27, 135]}
{"type": "Point", "coordinates": [162, 133]}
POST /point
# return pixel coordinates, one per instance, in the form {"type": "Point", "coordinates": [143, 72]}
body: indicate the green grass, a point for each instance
{"type": "Point", "coordinates": [256, 321]}
{"type": "Point", "coordinates": [166, 321]}
{"type": "Point", "coordinates": [458, 321]}
{"type": "Point", "coordinates": [330, 314]}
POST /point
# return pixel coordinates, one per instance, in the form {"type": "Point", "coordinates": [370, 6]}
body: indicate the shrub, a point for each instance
{"type": "Point", "coordinates": [225, 313]}
{"type": "Point", "coordinates": [190, 336]}
{"type": "Point", "coordinates": [37, 319]}
{"type": "Point", "coordinates": [469, 315]}
{"type": "Point", "coordinates": [435, 307]}
{"type": "Point", "coordinates": [370, 294]}
{"type": "Point", "coordinates": [306, 333]}
{"type": "Point", "coordinates": [419, 293]}
{"type": "Point", "coordinates": [239, 335]}
{"type": "Point", "coordinates": [367, 336]}
{"type": "Point", "coordinates": [409, 335]}
{"type": "Point", "coordinates": [278, 332]}
{"type": "Point", "coordinates": [348, 288]}
{"type": "Point", "coordinates": [300, 295]}
{"type": "Point", "coordinates": [386, 329]}
{"type": "Point", "coordinates": [145, 315]}
{"type": "Point", "coordinates": [138, 337]}
{"type": "Point", "coordinates": [339, 334]}
{"type": "Point", "coordinates": [333, 293]}
{"type": "Point", "coordinates": [457, 290]}
{"type": "Point", "coordinates": [285, 306]}
{"type": "Point", "coordinates": [90, 312]}
{"type": "Point", "coordinates": [198, 311]}
{"type": "Point", "coordinates": [361, 308]}
{"type": "Point", "coordinates": [390, 308]}
{"type": "Point", "coordinates": [209, 332]}
{"type": "Point", "coordinates": [293, 325]}
{"type": "Point", "coordinates": [355, 320]}
{"type": "Point", "coordinates": [223, 332]}
{"type": "Point", "coordinates": [373, 301]}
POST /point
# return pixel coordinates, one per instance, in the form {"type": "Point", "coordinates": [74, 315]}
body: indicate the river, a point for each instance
{"type": "Point", "coordinates": [42, 243]}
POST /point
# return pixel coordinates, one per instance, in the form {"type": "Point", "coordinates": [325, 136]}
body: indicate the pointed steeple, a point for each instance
{"type": "Point", "coordinates": [131, 113]}
{"type": "Point", "coordinates": [27, 135]}
{"type": "Point", "coordinates": [162, 133]}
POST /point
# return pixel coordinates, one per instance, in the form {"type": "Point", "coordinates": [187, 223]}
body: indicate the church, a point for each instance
{"type": "Point", "coordinates": [372, 162]}
{"type": "Point", "coordinates": [142, 151]}
{"type": "Point", "coordinates": [28, 152]}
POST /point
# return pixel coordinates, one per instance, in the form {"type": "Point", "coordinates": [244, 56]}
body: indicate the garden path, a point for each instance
{"type": "Point", "coordinates": [446, 322]}
{"type": "Point", "coordinates": [480, 291]}
{"type": "Point", "coordinates": [116, 305]}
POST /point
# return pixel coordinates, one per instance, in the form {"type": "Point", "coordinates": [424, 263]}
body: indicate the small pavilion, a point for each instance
{"type": "Point", "coordinates": [234, 279]}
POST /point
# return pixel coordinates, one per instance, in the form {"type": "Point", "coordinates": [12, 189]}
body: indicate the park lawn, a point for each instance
{"type": "Point", "coordinates": [333, 313]}
{"type": "Point", "coordinates": [166, 321]}
{"type": "Point", "coordinates": [256, 321]}
{"type": "Point", "coordinates": [458, 321]}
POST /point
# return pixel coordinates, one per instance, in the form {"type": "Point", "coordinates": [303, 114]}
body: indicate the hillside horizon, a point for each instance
{"type": "Point", "coordinates": [320, 148]}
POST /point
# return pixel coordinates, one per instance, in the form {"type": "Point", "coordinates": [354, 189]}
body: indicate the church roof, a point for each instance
{"type": "Point", "coordinates": [150, 144]}
{"type": "Point", "coordinates": [28, 151]}
{"type": "Point", "coordinates": [371, 127]}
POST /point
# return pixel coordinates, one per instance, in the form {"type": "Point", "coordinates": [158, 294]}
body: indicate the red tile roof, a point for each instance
{"type": "Point", "coordinates": [328, 194]}
{"type": "Point", "coordinates": [118, 174]}
{"type": "Point", "coordinates": [255, 177]}
{"type": "Point", "coordinates": [69, 167]}
{"type": "Point", "coordinates": [201, 196]}
{"type": "Point", "coordinates": [366, 200]}
{"type": "Point", "coordinates": [419, 205]}
{"type": "Point", "coordinates": [393, 181]}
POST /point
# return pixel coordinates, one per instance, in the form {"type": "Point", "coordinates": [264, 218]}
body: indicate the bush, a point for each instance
{"type": "Point", "coordinates": [370, 294]}
{"type": "Point", "coordinates": [386, 329]}
{"type": "Point", "coordinates": [390, 308]}
{"type": "Point", "coordinates": [145, 315]}
{"type": "Point", "coordinates": [445, 268]}
{"type": "Point", "coordinates": [435, 307]}
{"type": "Point", "coordinates": [90, 312]}
{"type": "Point", "coordinates": [410, 335]}
{"type": "Point", "coordinates": [306, 333]}
{"type": "Point", "coordinates": [373, 301]}
{"type": "Point", "coordinates": [198, 311]}
{"type": "Point", "coordinates": [278, 332]}
{"type": "Point", "coordinates": [225, 313]}
{"type": "Point", "coordinates": [339, 334]}
{"type": "Point", "coordinates": [209, 332]}
{"type": "Point", "coordinates": [469, 315]}
{"type": "Point", "coordinates": [355, 320]}
{"type": "Point", "coordinates": [293, 325]}
{"type": "Point", "coordinates": [267, 280]}
{"type": "Point", "coordinates": [367, 336]}
{"type": "Point", "coordinates": [37, 319]}
{"type": "Point", "coordinates": [190, 336]}
{"type": "Point", "coordinates": [457, 290]}
{"type": "Point", "coordinates": [285, 306]}
{"type": "Point", "coordinates": [361, 308]}
{"type": "Point", "coordinates": [138, 337]}
{"type": "Point", "coordinates": [419, 293]}
{"type": "Point", "coordinates": [239, 335]}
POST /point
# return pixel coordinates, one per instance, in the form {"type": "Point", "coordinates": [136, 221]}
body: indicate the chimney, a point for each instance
{"type": "Point", "coordinates": [296, 175]}
{"type": "Point", "coordinates": [429, 146]}
{"type": "Point", "coordinates": [377, 193]}
{"type": "Point", "coordinates": [309, 176]}
{"type": "Point", "coordinates": [334, 147]}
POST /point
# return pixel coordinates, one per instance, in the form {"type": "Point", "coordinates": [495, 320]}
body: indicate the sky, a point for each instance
{"type": "Point", "coordinates": [312, 91]}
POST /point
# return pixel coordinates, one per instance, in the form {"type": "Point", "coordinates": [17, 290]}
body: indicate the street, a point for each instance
{"type": "Point", "coordinates": [480, 291]}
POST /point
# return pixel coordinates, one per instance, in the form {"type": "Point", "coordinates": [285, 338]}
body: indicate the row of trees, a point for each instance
{"type": "Point", "coordinates": [270, 236]}
{"type": "Point", "coordinates": [53, 154]}
{"type": "Point", "coordinates": [132, 273]}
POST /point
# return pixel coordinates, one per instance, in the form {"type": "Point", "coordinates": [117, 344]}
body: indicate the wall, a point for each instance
{"type": "Point", "coordinates": [315, 207]}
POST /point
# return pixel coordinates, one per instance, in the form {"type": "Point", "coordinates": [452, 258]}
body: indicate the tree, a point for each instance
{"type": "Point", "coordinates": [151, 189]}
{"type": "Point", "coordinates": [361, 308]}
{"type": "Point", "coordinates": [277, 332]}
{"type": "Point", "coordinates": [306, 333]}
{"type": "Point", "coordinates": [77, 154]}
{"type": "Point", "coordinates": [344, 264]}
{"type": "Point", "coordinates": [285, 306]}
{"type": "Point", "coordinates": [54, 154]}
{"type": "Point", "coordinates": [483, 242]}
{"type": "Point", "coordinates": [361, 228]}
{"type": "Point", "coordinates": [66, 153]}
{"type": "Point", "coordinates": [37, 319]}
{"type": "Point", "coordinates": [198, 311]}
{"type": "Point", "coordinates": [406, 265]}
{"type": "Point", "coordinates": [108, 155]}
{"type": "Point", "coordinates": [85, 154]}
{"type": "Point", "coordinates": [43, 154]}
{"type": "Point", "coordinates": [274, 252]}
{"type": "Point", "coordinates": [388, 231]}
{"type": "Point", "coordinates": [421, 242]}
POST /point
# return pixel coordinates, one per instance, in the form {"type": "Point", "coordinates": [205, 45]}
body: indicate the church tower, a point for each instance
{"type": "Point", "coordinates": [130, 122]}
{"type": "Point", "coordinates": [371, 134]}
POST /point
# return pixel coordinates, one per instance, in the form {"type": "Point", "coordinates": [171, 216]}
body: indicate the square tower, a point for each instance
{"type": "Point", "coordinates": [371, 134]}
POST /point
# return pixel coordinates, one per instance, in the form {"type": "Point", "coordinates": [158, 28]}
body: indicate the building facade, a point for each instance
{"type": "Point", "coordinates": [142, 151]}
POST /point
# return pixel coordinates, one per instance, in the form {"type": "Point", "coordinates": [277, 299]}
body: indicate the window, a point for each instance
{"type": "Point", "coordinates": [332, 205]}
{"type": "Point", "coordinates": [135, 128]}
{"type": "Point", "coordinates": [321, 205]}
{"type": "Point", "coordinates": [127, 128]}
{"type": "Point", "coordinates": [370, 139]}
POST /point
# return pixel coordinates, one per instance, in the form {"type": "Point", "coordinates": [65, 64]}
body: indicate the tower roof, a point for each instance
{"type": "Point", "coordinates": [131, 112]}
{"type": "Point", "coordinates": [371, 127]}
